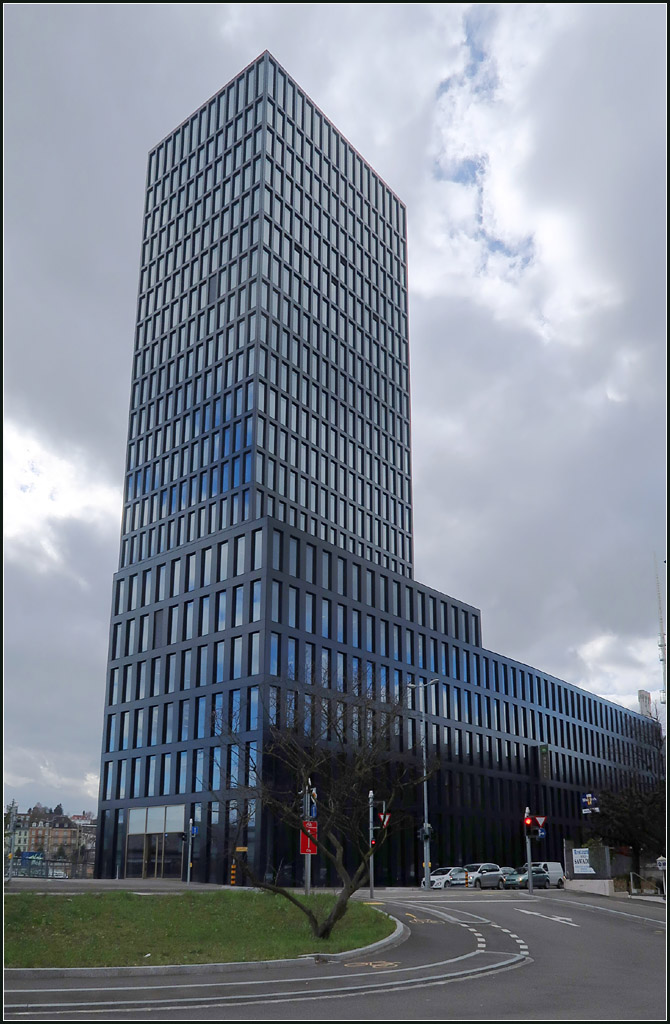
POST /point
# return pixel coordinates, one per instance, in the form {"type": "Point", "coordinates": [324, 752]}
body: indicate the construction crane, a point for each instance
{"type": "Point", "coordinates": [661, 633]}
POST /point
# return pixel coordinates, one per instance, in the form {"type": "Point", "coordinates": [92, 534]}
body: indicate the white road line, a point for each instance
{"type": "Point", "coordinates": [605, 910]}
{"type": "Point", "coordinates": [559, 920]}
{"type": "Point", "coordinates": [254, 982]}
{"type": "Point", "coordinates": [22, 1009]}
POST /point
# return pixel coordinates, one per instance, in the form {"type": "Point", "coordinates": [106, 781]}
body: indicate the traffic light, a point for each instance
{"type": "Point", "coordinates": [182, 836]}
{"type": "Point", "coordinates": [528, 821]}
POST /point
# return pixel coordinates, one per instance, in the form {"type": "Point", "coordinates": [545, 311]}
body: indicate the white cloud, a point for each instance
{"type": "Point", "coordinates": [59, 776]}
{"type": "Point", "coordinates": [481, 231]}
{"type": "Point", "coordinates": [43, 487]}
{"type": "Point", "coordinates": [616, 669]}
{"type": "Point", "coordinates": [51, 776]}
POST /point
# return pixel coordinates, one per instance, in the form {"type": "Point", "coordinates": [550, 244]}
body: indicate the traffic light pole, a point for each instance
{"type": "Point", "coordinates": [530, 866]}
{"type": "Point", "coordinates": [371, 806]}
{"type": "Point", "coordinates": [527, 823]}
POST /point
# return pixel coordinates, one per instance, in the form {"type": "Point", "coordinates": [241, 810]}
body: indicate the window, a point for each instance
{"type": "Point", "coordinates": [256, 601]}
{"type": "Point", "coordinates": [254, 654]}
{"type": "Point", "coordinates": [188, 620]}
{"type": "Point", "coordinates": [325, 618]}
{"type": "Point", "coordinates": [309, 612]}
{"type": "Point", "coordinates": [275, 601]}
{"type": "Point", "coordinates": [239, 555]}
{"type": "Point", "coordinates": [252, 708]}
{"type": "Point", "coordinates": [274, 654]}
{"type": "Point", "coordinates": [293, 607]}
{"type": "Point", "coordinates": [237, 657]}
{"type": "Point", "coordinates": [238, 605]}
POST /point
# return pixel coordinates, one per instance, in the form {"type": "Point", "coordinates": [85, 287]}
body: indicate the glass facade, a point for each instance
{"type": "Point", "coordinates": [265, 568]}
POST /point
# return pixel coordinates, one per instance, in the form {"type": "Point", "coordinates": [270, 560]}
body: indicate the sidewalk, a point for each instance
{"type": "Point", "coordinates": [640, 896]}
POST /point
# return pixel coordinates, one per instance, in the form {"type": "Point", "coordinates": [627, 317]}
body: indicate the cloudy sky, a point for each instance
{"type": "Point", "coordinates": [529, 144]}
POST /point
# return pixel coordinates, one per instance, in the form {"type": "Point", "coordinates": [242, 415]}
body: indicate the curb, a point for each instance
{"type": "Point", "coordinates": [399, 935]}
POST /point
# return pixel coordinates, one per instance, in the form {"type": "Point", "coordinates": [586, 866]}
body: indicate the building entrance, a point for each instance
{"type": "Point", "coordinates": [151, 853]}
{"type": "Point", "coordinates": [163, 856]}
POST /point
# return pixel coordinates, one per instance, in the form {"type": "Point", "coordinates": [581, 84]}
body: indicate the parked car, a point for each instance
{"type": "Point", "coordinates": [484, 876]}
{"type": "Point", "coordinates": [455, 877]}
{"type": "Point", "coordinates": [437, 873]}
{"type": "Point", "coordinates": [509, 877]}
{"type": "Point", "coordinates": [553, 869]}
{"type": "Point", "coordinates": [541, 879]}
{"type": "Point", "coordinates": [437, 877]}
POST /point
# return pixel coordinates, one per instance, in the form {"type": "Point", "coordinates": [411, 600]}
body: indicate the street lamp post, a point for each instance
{"type": "Point", "coordinates": [424, 746]}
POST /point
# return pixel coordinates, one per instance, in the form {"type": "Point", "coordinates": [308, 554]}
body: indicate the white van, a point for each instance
{"type": "Point", "coordinates": [553, 869]}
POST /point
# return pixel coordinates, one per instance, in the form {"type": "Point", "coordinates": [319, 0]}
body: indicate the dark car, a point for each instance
{"type": "Point", "coordinates": [541, 879]}
{"type": "Point", "coordinates": [510, 877]}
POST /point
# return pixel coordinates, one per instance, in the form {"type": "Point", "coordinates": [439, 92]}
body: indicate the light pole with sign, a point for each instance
{"type": "Point", "coordinates": [426, 829]}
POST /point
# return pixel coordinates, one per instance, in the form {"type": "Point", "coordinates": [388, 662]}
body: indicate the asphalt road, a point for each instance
{"type": "Point", "coordinates": [462, 955]}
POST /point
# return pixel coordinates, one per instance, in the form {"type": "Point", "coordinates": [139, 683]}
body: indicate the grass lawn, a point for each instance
{"type": "Point", "coordinates": [124, 929]}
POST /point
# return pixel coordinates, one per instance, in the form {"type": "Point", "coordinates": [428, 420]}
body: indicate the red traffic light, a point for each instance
{"type": "Point", "coordinates": [527, 820]}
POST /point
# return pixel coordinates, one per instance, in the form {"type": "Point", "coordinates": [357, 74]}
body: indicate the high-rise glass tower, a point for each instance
{"type": "Point", "coordinates": [266, 548]}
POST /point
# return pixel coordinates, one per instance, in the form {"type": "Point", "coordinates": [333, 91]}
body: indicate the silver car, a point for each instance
{"type": "Point", "coordinates": [484, 876]}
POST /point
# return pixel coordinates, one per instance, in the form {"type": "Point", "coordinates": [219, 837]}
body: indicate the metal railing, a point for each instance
{"type": "Point", "coordinates": [649, 885]}
{"type": "Point", "coordinates": [40, 867]}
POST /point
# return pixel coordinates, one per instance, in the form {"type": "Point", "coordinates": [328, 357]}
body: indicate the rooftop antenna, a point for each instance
{"type": "Point", "coordinates": [661, 633]}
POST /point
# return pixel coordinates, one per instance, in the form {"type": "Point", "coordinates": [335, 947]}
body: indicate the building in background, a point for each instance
{"type": "Point", "coordinates": [43, 835]}
{"type": "Point", "coordinates": [644, 701]}
{"type": "Point", "coordinates": [266, 550]}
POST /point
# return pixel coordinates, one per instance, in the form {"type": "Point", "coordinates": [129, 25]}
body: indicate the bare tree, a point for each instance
{"type": "Point", "coordinates": [347, 748]}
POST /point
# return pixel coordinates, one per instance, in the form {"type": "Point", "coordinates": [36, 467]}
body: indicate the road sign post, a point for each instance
{"type": "Point", "coordinates": [307, 837]}
{"type": "Point", "coordinates": [309, 814]}
{"type": "Point", "coordinates": [190, 849]}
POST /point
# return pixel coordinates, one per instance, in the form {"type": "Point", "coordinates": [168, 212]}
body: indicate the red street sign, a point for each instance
{"type": "Point", "coordinates": [306, 843]}
{"type": "Point", "coordinates": [540, 819]}
{"type": "Point", "coordinates": [384, 818]}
